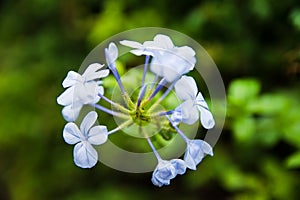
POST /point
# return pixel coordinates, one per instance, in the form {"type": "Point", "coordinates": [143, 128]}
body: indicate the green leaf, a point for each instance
{"type": "Point", "coordinates": [243, 90]}
{"type": "Point", "coordinates": [244, 129]}
{"type": "Point", "coordinates": [269, 104]}
{"type": "Point", "coordinates": [293, 161]}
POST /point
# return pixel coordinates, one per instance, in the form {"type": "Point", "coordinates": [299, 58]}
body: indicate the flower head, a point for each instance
{"type": "Point", "coordinates": [167, 170]}
{"type": "Point", "coordinates": [195, 152]}
{"type": "Point", "coordinates": [81, 89]}
{"type": "Point", "coordinates": [186, 89]}
{"type": "Point", "coordinates": [85, 156]}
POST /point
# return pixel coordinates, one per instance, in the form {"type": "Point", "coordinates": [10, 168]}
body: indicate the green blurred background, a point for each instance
{"type": "Point", "coordinates": [255, 44]}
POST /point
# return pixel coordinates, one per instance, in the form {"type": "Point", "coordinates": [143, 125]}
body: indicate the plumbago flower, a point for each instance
{"type": "Point", "coordinates": [168, 63]}
{"type": "Point", "coordinates": [167, 170]}
{"type": "Point", "coordinates": [195, 152]}
{"type": "Point", "coordinates": [85, 155]}
{"type": "Point", "coordinates": [81, 90]}
{"type": "Point", "coordinates": [186, 89]}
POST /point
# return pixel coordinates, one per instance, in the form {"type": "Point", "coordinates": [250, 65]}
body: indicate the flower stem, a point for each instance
{"type": "Point", "coordinates": [158, 88]}
{"type": "Point", "coordinates": [116, 105]}
{"type": "Point", "coordinates": [120, 127]}
{"type": "Point", "coordinates": [153, 149]}
{"type": "Point", "coordinates": [162, 113]}
{"type": "Point", "coordinates": [141, 95]}
{"type": "Point", "coordinates": [108, 111]}
{"type": "Point", "coordinates": [145, 69]}
{"type": "Point", "coordinates": [162, 97]}
{"type": "Point", "coordinates": [186, 139]}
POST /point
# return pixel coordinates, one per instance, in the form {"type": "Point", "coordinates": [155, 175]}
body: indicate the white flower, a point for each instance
{"type": "Point", "coordinates": [169, 61]}
{"type": "Point", "coordinates": [186, 90]}
{"type": "Point", "coordinates": [81, 90]}
{"type": "Point", "coordinates": [195, 152]}
{"type": "Point", "coordinates": [167, 170]}
{"type": "Point", "coordinates": [85, 156]}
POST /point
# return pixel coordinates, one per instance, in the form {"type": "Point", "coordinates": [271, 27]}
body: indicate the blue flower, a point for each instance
{"type": "Point", "coordinates": [85, 156]}
{"type": "Point", "coordinates": [169, 61]}
{"type": "Point", "coordinates": [81, 90]}
{"type": "Point", "coordinates": [195, 152]}
{"type": "Point", "coordinates": [167, 170]}
{"type": "Point", "coordinates": [193, 105]}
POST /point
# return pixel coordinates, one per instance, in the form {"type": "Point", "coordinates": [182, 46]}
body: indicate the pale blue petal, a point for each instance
{"type": "Point", "coordinates": [186, 88]}
{"type": "Point", "coordinates": [88, 121]}
{"type": "Point", "coordinates": [100, 90]}
{"type": "Point", "coordinates": [71, 133]}
{"type": "Point", "coordinates": [176, 117]}
{"type": "Point", "coordinates": [189, 161]}
{"type": "Point", "coordinates": [71, 79]}
{"type": "Point", "coordinates": [139, 52]}
{"type": "Point", "coordinates": [165, 171]}
{"type": "Point", "coordinates": [71, 112]}
{"type": "Point", "coordinates": [194, 153]}
{"type": "Point", "coordinates": [67, 97]}
{"type": "Point", "coordinates": [156, 67]}
{"type": "Point", "coordinates": [190, 113]}
{"type": "Point", "coordinates": [156, 182]}
{"type": "Point", "coordinates": [207, 119]}
{"type": "Point", "coordinates": [200, 101]}
{"type": "Point", "coordinates": [88, 93]}
{"type": "Point", "coordinates": [92, 72]}
{"type": "Point", "coordinates": [101, 74]}
{"type": "Point", "coordinates": [207, 149]}
{"type": "Point", "coordinates": [131, 44]}
{"type": "Point", "coordinates": [188, 54]}
{"type": "Point", "coordinates": [179, 166]}
{"type": "Point", "coordinates": [98, 135]}
{"type": "Point", "coordinates": [111, 53]}
{"type": "Point", "coordinates": [85, 156]}
{"type": "Point", "coordinates": [196, 149]}
{"type": "Point", "coordinates": [163, 41]}
{"type": "Point", "coordinates": [171, 74]}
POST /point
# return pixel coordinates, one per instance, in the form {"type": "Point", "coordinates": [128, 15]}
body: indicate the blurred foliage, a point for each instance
{"type": "Point", "coordinates": [255, 44]}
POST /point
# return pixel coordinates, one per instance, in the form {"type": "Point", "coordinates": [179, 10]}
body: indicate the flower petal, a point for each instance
{"type": "Point", "coordinates": [207, 149]}
{"type": "Point", "coordinates": [163, 173]}
{"type": "Point", "coordinates": [88, 121]}
{"type": "Point", "coordinates": [71, 112]}
{"type": "Point", "coordinates": [71, 79]}
{"type": "Point", "coordinates": [165, 170]}
{"type": "Point", "coordinates": [188, 55]}
{"type": "Point", "coordinates": [163, 41]}
{"type": "Point", "coordinates": [92, 72]}
{"type": "Point", "coordinates": [88, 92]}
{"type": "Point", "coordinates": [67, 97]}
{"type": "Point", "coordinates": [132, 44]}
{"type": "Point", "coordinates": [98, 135]}
{"type": "Point", "coordinates": [190, 113]}
{"type": "Point", "coordinates": [71, 133]}
{"type": "Point", "coordinates": [111, 53]}
{"type": "Point", "coordinates": [85, 156]}
{"type": "Point", "coordinates": [207, 119]}
{"type": "Point", "coordinates": [189, 161]}
{"type": "Point", "coordinates": [179, 166]}
{"type": "Point", "coordinates": [194, 153]}
{"type": "Point", "coordinates": [186, 88]}
{"type": "Point", "coordinates": [156, 182]}
{"type": "Point", "coordinates": [176, 117]}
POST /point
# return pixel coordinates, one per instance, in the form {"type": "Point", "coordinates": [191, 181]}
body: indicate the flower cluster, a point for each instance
{"type": "Point", "coordinates": [169, 64]}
